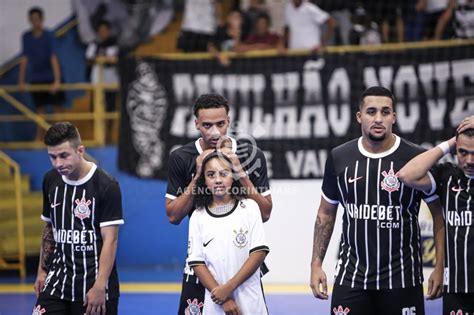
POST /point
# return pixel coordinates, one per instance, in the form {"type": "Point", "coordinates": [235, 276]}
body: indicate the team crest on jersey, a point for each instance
{"type": "Point", "coordinates": [459, 312]}
{"type": "Point", "coordinates": [38, 310]}
{"type": "Point", "coordinates": [82, 210]}
{"type": "Point", "coordinates": [390, 182]}
{"type": "Point", "coordinates": [194, 307]}
{"type": "Point", "coordinates": [340, 310]}
{"type": "Point", "coordinates": [240, 238]}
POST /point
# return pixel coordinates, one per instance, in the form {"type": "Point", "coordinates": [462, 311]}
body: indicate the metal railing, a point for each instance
{"type": "Point", "coordinates": [5, 263]}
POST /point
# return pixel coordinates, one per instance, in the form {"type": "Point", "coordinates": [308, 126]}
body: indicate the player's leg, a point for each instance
{"type": "Point", "coordinates": [47, 304]}
{"type": "Point", "coordinates": [403, 301]}
{"type": "Point", "coordinates": [458, 303]}
{"type": "Point", "coordinates": [346, 300]}
{"type": "Point", "coordinates": [192, 295]}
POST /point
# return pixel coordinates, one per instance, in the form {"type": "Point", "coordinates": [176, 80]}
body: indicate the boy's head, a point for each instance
{"type": "Point", "coordinates": [212, 119]}
{"type": "Point", "coordinates": [465, 151]}
{"type": "Point", "coordinates": [35, 16]}
{"type": "Point", "coordinates": [65, 151]}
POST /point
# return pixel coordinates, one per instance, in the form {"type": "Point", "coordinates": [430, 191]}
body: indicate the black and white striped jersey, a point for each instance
{"type": "Point", "coordinates": [380, 242]}
{"type": "Point", "coordinates": [456, 192]}
{"type": "Point", "coordinates": [77, 210]}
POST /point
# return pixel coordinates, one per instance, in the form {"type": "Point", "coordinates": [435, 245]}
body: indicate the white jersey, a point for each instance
{"type": "Point", "coordinates": [223, 243]}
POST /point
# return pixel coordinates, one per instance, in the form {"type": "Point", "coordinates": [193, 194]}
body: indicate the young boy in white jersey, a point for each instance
{"type": "Point", "coordinates": [226, 241]}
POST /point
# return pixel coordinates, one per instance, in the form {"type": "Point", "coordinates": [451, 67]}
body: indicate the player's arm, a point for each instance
{"type": "Point", "coordinates": [179, 207]}
{"type": "Point", "coordinates": [322, 235]}
{"type": "Point", "coordinates": [56, 72]}
{"type": "Point", "coordinates": [47, 248]}
{"type": "Point", "coordinates": [95, 297]}
{"type": "Point", "coordinates": [415, 173]}
{"type": "Point", "coordinates": [435, 281]}
{"type": "Point", "coordinates": [264, 202]}
{"type": "Point", "coordinates": [22, 71]}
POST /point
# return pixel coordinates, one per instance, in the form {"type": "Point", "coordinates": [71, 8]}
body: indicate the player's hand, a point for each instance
{"type": "Point", "coordinates": [435, 284]}
{"type": "Point", "coordinates": [467, 123]}
{"type": "Point", "coordinates": [231, 308]}
{"type": "Point", "coordinates": [234, 159]}
{"type": "Point", "coordinates": [220, 294]}
{"type": "Point", "coordinates": [318, 282]}
{"type": "Point", "coordinates": [199, 160]}
{"type": "Point", "coordinates": [22, 85]}
{"type": "Point", "coordinates": [95, 301]}
{"type": "Point", "coordinates": [39, 282]}
{"type": "Point", "coordinates": [55, 86]}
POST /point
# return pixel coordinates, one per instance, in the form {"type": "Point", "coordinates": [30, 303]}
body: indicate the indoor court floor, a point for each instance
{"type": "Point", "coordinates": [156, 292]}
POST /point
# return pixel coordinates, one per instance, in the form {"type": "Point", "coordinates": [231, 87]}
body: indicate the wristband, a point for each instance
{"type": "Point", "coordinates": [444, 146]}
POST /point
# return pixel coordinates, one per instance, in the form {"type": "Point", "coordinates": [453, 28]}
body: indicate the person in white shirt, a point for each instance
{"type": "Point", "coordinates": [226, 243]}
{"type": "Point", "coordinates": [304, 21]}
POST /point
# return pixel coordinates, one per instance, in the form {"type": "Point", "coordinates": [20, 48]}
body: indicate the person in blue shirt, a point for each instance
{"type": "Point", "coordinates": [39, 56]}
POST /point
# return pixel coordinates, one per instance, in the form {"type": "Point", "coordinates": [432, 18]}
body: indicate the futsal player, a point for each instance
{"type": "Point", "coordinates": [82, 210]}
{"type": "Point", "coordinates": [184, 167]}
{"type": "Point", "coordinates": [379, 270]}
{"type": "Point", "coordinates": [454, 184]}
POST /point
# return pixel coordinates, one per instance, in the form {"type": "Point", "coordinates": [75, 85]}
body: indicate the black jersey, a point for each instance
{"type": "Point", "coordinates": [77, 210]}
{"type": "Point", "coordinates": [182, 166]}
{"type": "Point", "coordinates": [380, 242]}
{"type": "Point", "coordinates": [456, 192]}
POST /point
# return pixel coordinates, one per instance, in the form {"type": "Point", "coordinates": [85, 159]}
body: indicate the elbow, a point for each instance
{"type": "Point", "coordinates": [266, 214]}
{"type": "Point", "coordinates": [173, 219]}
{"type": "Point", "coordinates": [403, 176]}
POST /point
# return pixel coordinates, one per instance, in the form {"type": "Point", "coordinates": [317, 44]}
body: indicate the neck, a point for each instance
{"type": "Point", "coordinates": [37, 31]}
{"type": "Point", "coordinates": [81, 171]}
{"type": "Point", "coordinates": [222, 200]}
{"type": "Point", "coordinates": [373, 146]}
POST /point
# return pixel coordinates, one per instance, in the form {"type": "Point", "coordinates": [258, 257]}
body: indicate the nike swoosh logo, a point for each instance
{"type": "Point", "coordinates": [207, 243]}
{"type": "Point", "coordinates": [455, 189]}
{"type": "Point", "coordinates": [55, 205]}
{"type": "Point", "coordinates": [351, 180]}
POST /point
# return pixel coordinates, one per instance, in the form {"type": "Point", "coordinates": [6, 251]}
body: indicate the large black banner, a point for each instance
{"type": "Point", "coordinates": [295, 108]}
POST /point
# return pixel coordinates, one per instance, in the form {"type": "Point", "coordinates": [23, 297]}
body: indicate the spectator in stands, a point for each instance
{"type": "Point", "coordinates": [388, 14]}
{"type": "Point", "coordinates": [303, 25]}
{"type": "Point", "coordinates": [260, 37]}
{"type": "Point", "coordinates": [227, 37]}
{"type": "Point", "coordinates": [433, 9]}
{"type": "Point", "coordinates": [341, 11]}
{"type": "Point", "coordinates": [201, 18]}
{"type": "Point", "coordinates": [462, 14]}
{"type": "Point", "coordinates": [413, 19]}
{"type": "Point", "coordinates": [255, 8]}
{"type": "Point", "coordinates": [40, 57]}
{"type": "Point", "coordinates": [364, 31]}
{"type": "Point", "coordinates": [105, 46]}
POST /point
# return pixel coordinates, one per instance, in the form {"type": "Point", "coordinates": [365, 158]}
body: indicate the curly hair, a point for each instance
{"type": "Point", "coordinates": [211, 100]}
{"type": "Point", "coordinates": [202, 195]}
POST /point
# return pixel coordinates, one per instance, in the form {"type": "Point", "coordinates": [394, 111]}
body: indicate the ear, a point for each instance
{"type": "Point", "coordinates": [81, 150]}
{"type": "Point", "coordinates": [358, 115]}
{"type": "Point", "coordinates": [196, 124]}
{"type": "Point", "coordinates": [394, 118]}
{"type": "Point", "coordinates": [228, 120]}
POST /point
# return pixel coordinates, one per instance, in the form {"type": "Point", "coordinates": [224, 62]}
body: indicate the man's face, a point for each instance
{"type": "Point", "coordinates": [212, 123]}
{"type": "Point", "coordinates": [66, 159]}
{"type": "Point", "coordinates": [103, 32]}
{"type": "Point", "coordinates": [36, 21]}
{"type": "Point", "coordinates": [376, 117]}
{"type": "Point", "coordinates": [261, 26]}
{"type": "Point", "coordinates": [465, 154]}
{"type": "Point", "coordinates": [297, 3]}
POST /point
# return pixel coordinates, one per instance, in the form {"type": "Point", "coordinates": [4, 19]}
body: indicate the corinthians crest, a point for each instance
{"type": "Point", "coordinates": [82, 210]}
{"type": "Point", "coordinates": [390, 182]}
{"type": "Point", "coordinates": [240, 238]}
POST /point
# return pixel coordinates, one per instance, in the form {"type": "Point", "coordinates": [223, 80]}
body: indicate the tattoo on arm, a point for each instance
{"type": "Point", "coordinates": [322, 236]}
{"type": "Point", "coordinates": [48, 245]}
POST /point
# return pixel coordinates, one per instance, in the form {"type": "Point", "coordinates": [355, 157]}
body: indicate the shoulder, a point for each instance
{"type": "Point", "coordinates": [346, 147]}
{"type": "Point", "coordinates": [185, 152]}
{"type": "Point", "coordinates": [105, 178]}
{"type": "Point", "coordinates": [250, 204]}
{"type": "Point", "coordinates": [51, 176]}
{"type": "Point", "coordinates": [445, 170]}
{"type": "Point", "coordinates": [410, 148]}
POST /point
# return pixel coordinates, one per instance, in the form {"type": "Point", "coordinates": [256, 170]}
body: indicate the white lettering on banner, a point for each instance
{"type": "Point", "coordinates": [306, 163]}
{"type": "Point", "coordinates": [409, 310]}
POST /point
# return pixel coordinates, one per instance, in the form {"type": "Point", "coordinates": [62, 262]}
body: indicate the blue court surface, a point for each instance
{"type": "Point", "coordinates": [156, 292]}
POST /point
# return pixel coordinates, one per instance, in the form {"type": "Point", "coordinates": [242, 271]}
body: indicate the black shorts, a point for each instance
{"type": "Point", "coordinates": [458, 303]}
{"type": "Point", "coordinates": [52, 305]}
{"type": "Point", "coordinates": [376, 302]}
{"type": "Point", "coordinates": [45, 98]}
{"type": "Point", "coordinates": [192, 296]}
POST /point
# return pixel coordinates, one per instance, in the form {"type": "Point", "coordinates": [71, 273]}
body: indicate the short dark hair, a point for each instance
{"type": "Point", "coordinates": [62, 132]}
{"type": "Point", "coordinates": [104, 23]}
{"type": "Point", "coordinates": [211, 100]}
{"type": "Point", "coordinates": [202, 195]}
{"type": "Point", "coordinates": [266, 16]}
{"type": "Point", "coordinates": [468, 133]}
{"type": "Point", "coordinates": [377, 91]}
{"type": "Point", "coordinates": [37, 10]}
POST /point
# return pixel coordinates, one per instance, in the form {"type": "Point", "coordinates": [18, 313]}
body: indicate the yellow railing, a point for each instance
{"type": "Point", "coordinates": [5, 260]}
{"type": "Point", "coordinates": [98, 115]}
